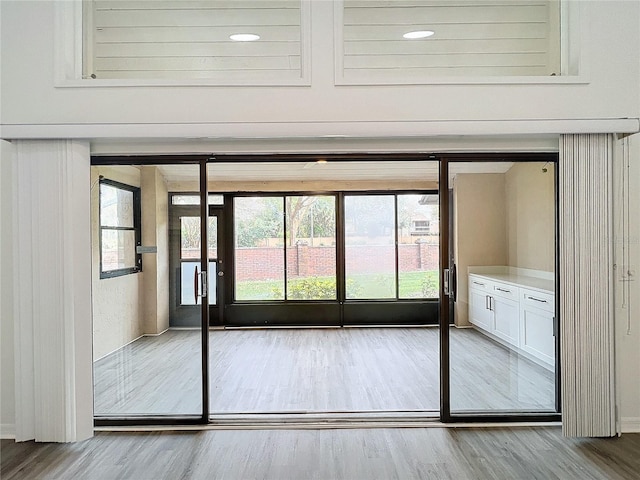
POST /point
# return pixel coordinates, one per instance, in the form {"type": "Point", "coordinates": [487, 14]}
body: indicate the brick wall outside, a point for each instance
{"type": "Point", "coordinates": [266, 263]}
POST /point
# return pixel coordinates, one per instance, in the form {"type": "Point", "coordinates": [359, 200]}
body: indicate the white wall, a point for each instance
{"type": "Point", "coordinates": [611, 70]}
{"type": "Point", "coordinates": [531, 216]}
{"type": "Point", "coordinates": [155, 232]}
{"type": "Point", "coordinates": [117, 302]}
{"type": "Point", "coordinates": [7, 364]}
{"type": "Point", "coordinates": [480, 233]}
{"type": "Point", "coordinates": [627, 287]}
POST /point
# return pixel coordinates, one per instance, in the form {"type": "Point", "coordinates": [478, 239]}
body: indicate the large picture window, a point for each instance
{"type": "Point", "coordinates": [119, 229]}
{"type": "Point", "coordinates": [391, 246]}
{"type": "Point", "coordinates": [286, 247]}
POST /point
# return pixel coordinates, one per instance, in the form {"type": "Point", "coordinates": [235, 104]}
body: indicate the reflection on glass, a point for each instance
{"type": "Point", "coordinates": [418, 247]}
{"type": "Point", "coordinates": [370, 246]}
{"type": "Point", "coordinates": [259, 248]}
{"type": "Point", "coordinates": [311, 248]}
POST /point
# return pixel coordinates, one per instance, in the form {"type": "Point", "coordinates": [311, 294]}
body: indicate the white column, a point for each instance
{"type": "Point", "coordinates": [52, 264]}
{"type": "Point", "coordinates": [586, 285]}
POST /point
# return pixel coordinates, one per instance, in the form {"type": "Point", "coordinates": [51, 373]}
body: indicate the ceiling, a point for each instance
{"type": "Point", "coordinates": [333, 170]}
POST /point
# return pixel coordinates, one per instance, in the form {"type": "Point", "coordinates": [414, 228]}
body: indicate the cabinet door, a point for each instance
{"type": "Point", "coordinates": [506, 314]}
{"type": "Point", "coordinates": [479, 314]}
{"type": "Point", "coordinates": [536, 333]}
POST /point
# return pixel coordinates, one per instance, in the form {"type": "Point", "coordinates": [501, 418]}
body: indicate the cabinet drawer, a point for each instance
{"type": "Point", "coordinates": [540, 300]}
{"type": "Point", "coordinates": [479, 283]}
{"type": "Point", "coordinates": [504, 290]}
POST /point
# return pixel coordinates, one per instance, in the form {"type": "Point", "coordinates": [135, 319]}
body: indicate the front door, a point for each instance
{"type": "Point", "coordinates": [185, 252]}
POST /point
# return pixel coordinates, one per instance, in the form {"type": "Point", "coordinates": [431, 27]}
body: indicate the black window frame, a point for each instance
{"type": "Point", "coordinates": [137, 228]}
{"type": "Point", "coordinates": [339, 196]}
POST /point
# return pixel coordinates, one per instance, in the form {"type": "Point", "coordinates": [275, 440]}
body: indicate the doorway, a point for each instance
{"type": "Point", "coordinates": [208, 314]}
{"type": "Point", "coordinates": [185, 251]}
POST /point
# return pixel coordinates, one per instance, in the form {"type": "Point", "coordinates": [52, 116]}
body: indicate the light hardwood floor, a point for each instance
{"type": "Point", "coordinates": [317, 370]}
{"type": "Point", "coordinates": [404, 453]}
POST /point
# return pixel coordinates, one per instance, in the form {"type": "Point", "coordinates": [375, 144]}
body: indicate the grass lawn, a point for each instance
{"type": "Point", "coordinates": [422, 284]}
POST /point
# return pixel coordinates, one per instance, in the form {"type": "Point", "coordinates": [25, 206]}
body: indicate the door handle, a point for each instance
{"type": "Point", "coordinates": [447, 281]}
{"type": "Point", "coordinates": [221, 273]}
{"type": "Point", "coordinates": [195, 285]}
{"type": "Point", "coordinates": [199, 288]}
{"type": "Point", "coordinates": [204, 287]}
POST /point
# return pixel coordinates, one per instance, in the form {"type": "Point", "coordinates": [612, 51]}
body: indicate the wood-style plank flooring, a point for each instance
{"type": "Point", "coordinates": [317, 370]}
{"type": "Point", "coordinates": [367, 454]}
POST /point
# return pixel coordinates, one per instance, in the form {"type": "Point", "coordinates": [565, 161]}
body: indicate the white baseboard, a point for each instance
{"type": "Point", "coordinates": [630, 424]}
{"type": "Point", "coordinates": [7, 431]}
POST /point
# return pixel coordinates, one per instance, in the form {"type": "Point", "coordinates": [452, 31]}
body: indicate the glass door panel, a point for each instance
{"type": "Point", "coordinates": [502, 343]}
{"type": "Point", "coordinates": [143, 365]}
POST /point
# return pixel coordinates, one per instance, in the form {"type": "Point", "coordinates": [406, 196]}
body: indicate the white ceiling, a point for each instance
{"type": "Point", "coordinates": [334, 170]}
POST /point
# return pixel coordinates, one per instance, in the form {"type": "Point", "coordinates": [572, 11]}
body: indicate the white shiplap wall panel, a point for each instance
{"type": "Point", "coordinates": [434, 14]}
{"type": "Point", "coordinates": [446, 47]}
{"type": "Point", "coordinates": [190, 39]}
{"type": "Point", "coordinates": [586, 285]}
{"type": "Point", "coordinates": [457, 60]}
{"type": "Point", "coordinates": [159, 34]}
{"type": "Point", "coordinates": [193, 49]}
{"type": "Point", "coordinates": [197, 17]}
{"type": "Point", "coordinates": [472, 38]}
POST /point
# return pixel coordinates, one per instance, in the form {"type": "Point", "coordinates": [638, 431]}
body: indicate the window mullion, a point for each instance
{"type": "Point", "coordinates": [285, 249]}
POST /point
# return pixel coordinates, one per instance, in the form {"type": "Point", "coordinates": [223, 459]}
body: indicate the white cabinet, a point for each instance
{"type": "Point", "coordinates": [479, 312]}
{"type": "Point", "coordinates": [493, 307]}
{"type": "Point", "coordinates": [536, 325]}
{"type": "Point", "coordinates": [519, 317]}
{"type": "Point", "coordinates": [506, 314]}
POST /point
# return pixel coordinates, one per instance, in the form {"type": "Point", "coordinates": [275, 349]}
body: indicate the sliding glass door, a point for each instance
{"type": "Point", "coordinates": [180, 255]}
{"type": "Point", "coordinates": [501, 346]}
{"type": "Point", "coordinates": [143, 367]}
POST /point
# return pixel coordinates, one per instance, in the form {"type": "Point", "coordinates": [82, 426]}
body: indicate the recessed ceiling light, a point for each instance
{"type": "Point", "coordinates": [418, 34]}
{"type": "Point", "coordinates": [244, 37]}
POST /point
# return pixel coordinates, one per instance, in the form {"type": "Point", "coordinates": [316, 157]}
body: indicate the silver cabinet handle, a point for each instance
{"type": "Point", "coordinates": [536, 299]}
{"type": "Point", "coordinates": [502, 290]}
{"type": "Point", "coordinates": [478, 283]}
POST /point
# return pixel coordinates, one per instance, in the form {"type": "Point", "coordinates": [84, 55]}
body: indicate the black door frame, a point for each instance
{"type": "Point", "coordinates": [444, 158]}
{"type": "Point", "coordinates": [341, 311]}
{"type": "Point", "coordinates": [175, 213]}
{"type": "Point", "coordinates": [446, 415]}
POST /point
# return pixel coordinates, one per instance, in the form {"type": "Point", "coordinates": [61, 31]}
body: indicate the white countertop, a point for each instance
{"type": "Point", "coordinates": [517, 278]}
